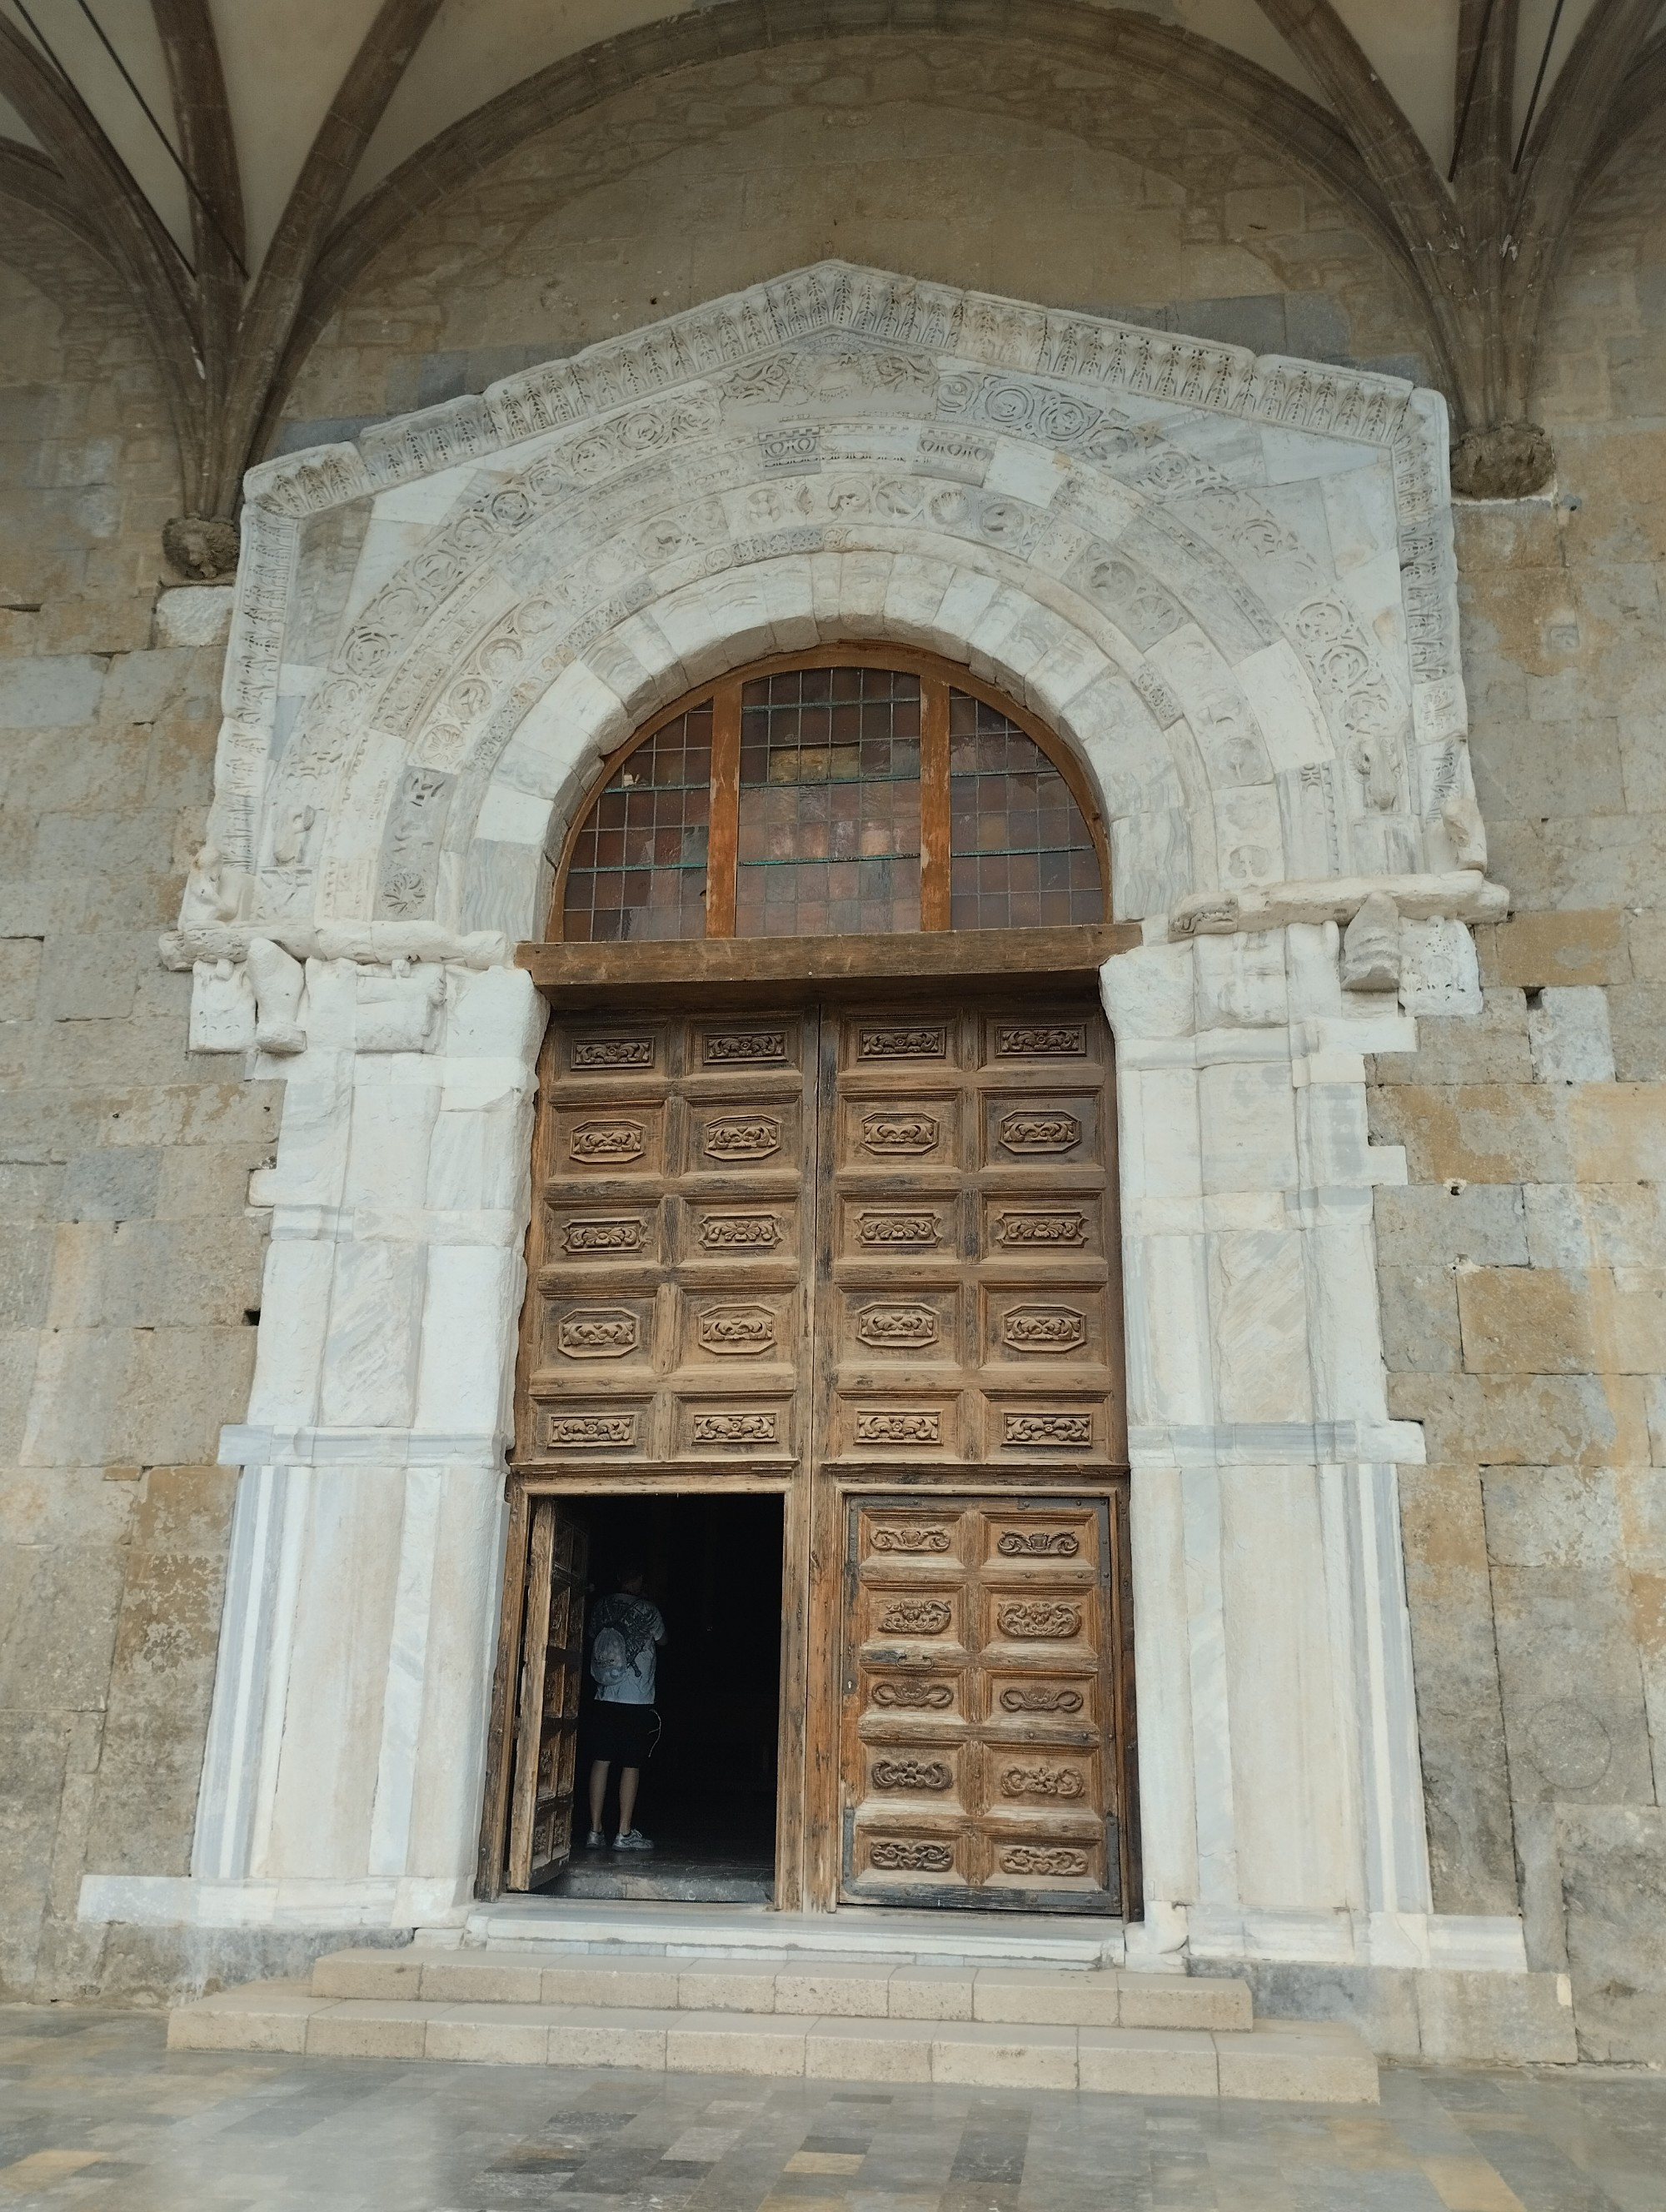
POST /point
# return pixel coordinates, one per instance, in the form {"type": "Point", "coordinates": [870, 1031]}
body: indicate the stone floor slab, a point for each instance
{"type": "Point", "coordinates": [101, 2115]}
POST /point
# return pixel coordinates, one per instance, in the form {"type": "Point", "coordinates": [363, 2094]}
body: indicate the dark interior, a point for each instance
{"type": "Point", "coordinates": [707, 1792]}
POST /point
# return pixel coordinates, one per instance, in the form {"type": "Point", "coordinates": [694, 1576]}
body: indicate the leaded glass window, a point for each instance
{"type": "Point", "coordinates": [637, 868]}
{"type": "Point", "coordinates": [832, 796]}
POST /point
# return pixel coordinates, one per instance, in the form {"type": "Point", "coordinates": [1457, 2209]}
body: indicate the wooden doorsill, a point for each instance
{"type": "Point", "coordinates": [757, 969]}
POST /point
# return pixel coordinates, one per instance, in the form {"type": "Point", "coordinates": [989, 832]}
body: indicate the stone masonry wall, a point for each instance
{"type": "Point", "coordinates": [129, 1264]}
{"type": "Point", "coordinates": [1521, 1308]}
{"type": "Point", "coordinates": [1523, 1269]}
{"type": "Point", "coordinates": [949, 159]}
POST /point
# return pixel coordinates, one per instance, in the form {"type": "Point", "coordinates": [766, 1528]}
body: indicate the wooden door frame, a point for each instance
{"type": "Point", "coordinates": [626, 979]}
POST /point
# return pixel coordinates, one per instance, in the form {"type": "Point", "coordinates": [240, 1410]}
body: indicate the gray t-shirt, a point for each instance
{"type": "Point", "coordinates": [627, 1631]}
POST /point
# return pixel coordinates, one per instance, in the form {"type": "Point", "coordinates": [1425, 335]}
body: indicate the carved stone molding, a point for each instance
{"type": "Point", "coordinates": [1030, 491]}
{"type": "Point", "coordinates": [1463, 895]}
{"type": "Point", "coordinates": [372, 942]}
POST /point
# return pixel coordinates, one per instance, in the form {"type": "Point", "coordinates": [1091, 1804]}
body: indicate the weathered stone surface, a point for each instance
{"type": "Point", "coordinates": [1533, 949]}
{"type": "Point", "coordinates": [111, 1186]}
{"type": "Point", "coordinates": [1646, 941]}
{"type": "Point", "coordinates": [1550, 1517]}
{"type": "Point", "coordinates": [1637, 1022]}
{"type": "Point", "coordinates": [123, 1344]}
{"type": "Point", "coordinates": [1420, 1319]}
{"type": "Point", "coordinates": [59, 691]}
{"type": "Point", "coordinates": [34, 1749]}
{"type": "Point", "coordinates": [162, 1674]}
{"type": "Point", "coordinates": [1485, 1420]}
{"type": "Point", "coordinates": [194, 615]}
{"type": "Point", "coordinates": [1575, 1719]}
{"type": "Point", "coordinates": [1460, 1715]}
{"type": "Point", "coordinates": [1510, 2019]}
{"type": "Point", "coordinates": [1593, 1224]}
{"type": "Point", "coordinates": [1482, 1132]}
{"type": "Point", "coordinates": [1483, 1223]}
{"type": "Point", "coordinates": [1493, 1050]}
{"type": "Point", "coordinates": [1509, 460]}
{"type": "Point", "coordinates": [1526, 1320]}
{"type": "Point", "coordinates": [1567, 1028]}
{"type": "Point", "coordinates": [1613, 1859]}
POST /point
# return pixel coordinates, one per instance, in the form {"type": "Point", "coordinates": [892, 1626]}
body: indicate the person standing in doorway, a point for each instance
{"type": "Point", "coordinates": [627, 1633]}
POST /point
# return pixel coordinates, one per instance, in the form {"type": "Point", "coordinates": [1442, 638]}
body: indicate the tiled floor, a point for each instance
{"type": "Point", "coordinates": [94, 2113]}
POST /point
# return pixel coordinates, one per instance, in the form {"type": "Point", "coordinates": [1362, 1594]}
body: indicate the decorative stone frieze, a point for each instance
{"type": "Point", "coordinates": [1227, 580]}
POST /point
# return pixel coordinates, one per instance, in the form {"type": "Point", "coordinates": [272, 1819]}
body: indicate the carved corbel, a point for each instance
{"type": "Point", "coordinates": [1370, 946]}
{"type": "Point", "coordinates": [223, 1017]}
{"type": "Point", "coordinates": [279, 982]}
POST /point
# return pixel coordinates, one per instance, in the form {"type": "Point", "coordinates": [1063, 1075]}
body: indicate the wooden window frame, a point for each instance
{"type": "Point", "coordinates": [937, 677]}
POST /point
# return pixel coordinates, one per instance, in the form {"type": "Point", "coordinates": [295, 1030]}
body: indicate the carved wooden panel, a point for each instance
{"type": "Point", "coordinates": [981, 1758]}
{"type": "Point", "coordinates": [838, 1248]}
{"type": "Point", "coordinates": [671, 1251]}
{"type": "Point", "coordinates": [968, 1310]}
{"type": "Point", "coordinates": [547, 1696]}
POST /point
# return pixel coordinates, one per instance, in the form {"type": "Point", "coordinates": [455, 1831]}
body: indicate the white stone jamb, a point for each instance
{"type": "Point", "coordinates": [1281, 1797]}
{"type": "Point", "coordinates": [346, 1747]}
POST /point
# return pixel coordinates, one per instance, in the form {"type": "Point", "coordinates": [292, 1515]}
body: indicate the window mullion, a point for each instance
{"type": "Point", "coordinates": [722, 839]}
{"type": "Point", "coordinates": [934, 803]}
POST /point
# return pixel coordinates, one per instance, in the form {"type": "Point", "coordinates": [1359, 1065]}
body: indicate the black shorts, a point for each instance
{"type": "Point", "coordinates": [624, 1733]}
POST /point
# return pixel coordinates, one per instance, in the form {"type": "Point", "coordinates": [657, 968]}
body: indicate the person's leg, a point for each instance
{"type": "Point", "coordinates": [628, 1777]}
{"type": "Point", "coordinates": [599, 1790]}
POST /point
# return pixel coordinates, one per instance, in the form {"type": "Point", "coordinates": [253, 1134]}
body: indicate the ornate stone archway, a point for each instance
{"type": "Point", "coordinates": [1227, 583]}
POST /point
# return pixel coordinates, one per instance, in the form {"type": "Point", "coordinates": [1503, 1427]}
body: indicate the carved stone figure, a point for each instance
{"type": "Point", "coordinates": [1210, 911]}
{"type": "Point", "coordinates": [278, 983]}
{"type": "Point", "coordinates": [1370, 946]}
{"type": "Point", "coordinates": [222, 1007]}
{"type": "Point", "coordinates": [1465, 827]}
{"type": "Point", "coordinates": [1510, 460]}
{"type": "Point", "coordinates": [289, 840]}
{"type": "Point", "coordinates": [1375, 764]}
{"type": "Point", "coordinates": [203, 546]}
{"type": "Point", "coordinates": [213, 889]}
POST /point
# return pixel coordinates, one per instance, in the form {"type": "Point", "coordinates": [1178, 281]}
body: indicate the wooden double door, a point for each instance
{"type": "Point", "coordinates": [863, 1255]}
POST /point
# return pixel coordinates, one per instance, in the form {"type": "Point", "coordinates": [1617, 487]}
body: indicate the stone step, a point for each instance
{"type": "Point", "coordinates": [1069, 1941]}
{"type": "Point", "coordinates": [779, 1983]}
{"type": "Point", "coordinates": [1276, 2060]}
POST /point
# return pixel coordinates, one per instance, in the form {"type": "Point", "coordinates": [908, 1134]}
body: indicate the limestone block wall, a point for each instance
{"type": "Point", "coordinates": [1523, 1268]}
{"type": "Point", "coordinates": [948, 158]}
{"type": "Point", "coordinates": [130, 1263]}
{"type": "Point", "coordinates": [1521, 1310]}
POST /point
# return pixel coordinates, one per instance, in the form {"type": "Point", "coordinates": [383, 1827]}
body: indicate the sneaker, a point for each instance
{"type": "Point", "coordinates": [632, 1840]}
{"type": "Point", "coordinates": [595, 1841]}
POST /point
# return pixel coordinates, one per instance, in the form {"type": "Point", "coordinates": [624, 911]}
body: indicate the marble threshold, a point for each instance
{"type": "Point", "coordinates": [957, 1938]}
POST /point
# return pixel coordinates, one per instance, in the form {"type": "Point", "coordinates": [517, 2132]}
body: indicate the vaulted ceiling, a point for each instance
{"type": "Point", "coordinates": [238, 161]}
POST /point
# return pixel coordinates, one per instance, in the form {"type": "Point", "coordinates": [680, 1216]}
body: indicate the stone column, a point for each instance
{"type": "Point", "coordinates": [1281, 1797]}
{"type": "Point", "coordinates": [344, 1759]}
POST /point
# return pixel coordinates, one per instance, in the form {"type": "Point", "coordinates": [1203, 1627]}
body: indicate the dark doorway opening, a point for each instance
{"type": "Point", "coordinates": [708, 1790]}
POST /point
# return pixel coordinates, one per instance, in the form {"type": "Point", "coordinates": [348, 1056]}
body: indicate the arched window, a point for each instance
{"type": "Point", "coordinates": [835, 792]}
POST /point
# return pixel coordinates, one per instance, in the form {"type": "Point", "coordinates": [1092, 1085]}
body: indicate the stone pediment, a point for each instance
{"type": "Point", "coordinates": [1226, 580]}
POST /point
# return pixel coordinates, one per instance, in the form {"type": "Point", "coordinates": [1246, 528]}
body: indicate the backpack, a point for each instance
{"type": "Point", "coordinates": [610, 1658]}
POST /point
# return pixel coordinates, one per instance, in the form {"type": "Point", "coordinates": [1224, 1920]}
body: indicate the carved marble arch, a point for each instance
{"type": "Point", "coordinates": [1224, 583]}
{"type": "Point", "coordinates": [853, 789]}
